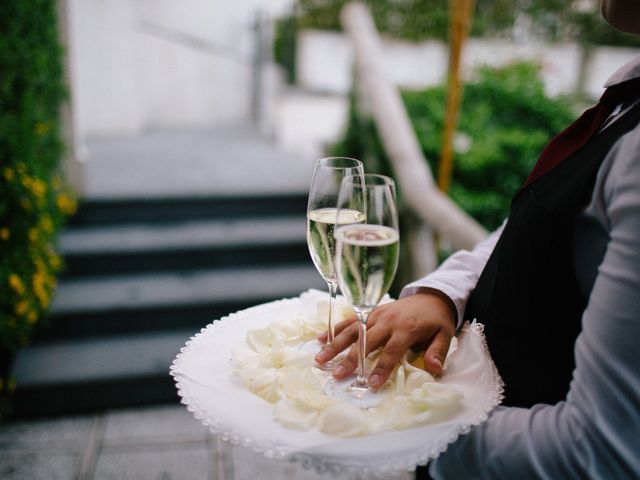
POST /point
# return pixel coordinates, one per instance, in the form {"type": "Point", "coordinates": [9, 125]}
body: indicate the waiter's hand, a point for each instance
{"type": "Point", "coordinates": [426, 320]}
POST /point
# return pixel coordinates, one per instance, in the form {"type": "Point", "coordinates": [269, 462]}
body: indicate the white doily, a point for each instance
{"type": "Point", "coordinates": [204, 376]}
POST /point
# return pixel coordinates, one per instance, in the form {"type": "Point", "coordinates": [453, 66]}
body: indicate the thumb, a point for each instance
{"type": "Point", "coordinates": [436, 352]}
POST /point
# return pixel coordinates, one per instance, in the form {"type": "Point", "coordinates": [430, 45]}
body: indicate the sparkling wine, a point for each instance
{"type": "Point", "coordinates": [366, 262]}
{"type": "Point", "coordinates": [320, 226]}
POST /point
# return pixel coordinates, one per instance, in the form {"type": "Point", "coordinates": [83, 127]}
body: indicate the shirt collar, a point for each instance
{"type": "Point", "coordinates": [626, 72]}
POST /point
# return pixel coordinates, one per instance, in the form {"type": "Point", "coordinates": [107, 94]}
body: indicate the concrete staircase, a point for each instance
{"type": "Point", "coordinates": [143, 275]}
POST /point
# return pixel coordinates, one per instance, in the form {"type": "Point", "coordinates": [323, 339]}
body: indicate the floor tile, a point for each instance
{"type": "Point", "coordinates": [53, 434]}
{"type": "Point", "coordinates": [159, 424]}
{"type": "Point", "coordinates": [38, 466]}
{"type": "Point", "coordinates": [170, 463]}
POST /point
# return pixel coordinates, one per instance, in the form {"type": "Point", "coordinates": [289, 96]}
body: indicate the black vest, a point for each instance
{"type": "Point", "coordinates": [528, 296]}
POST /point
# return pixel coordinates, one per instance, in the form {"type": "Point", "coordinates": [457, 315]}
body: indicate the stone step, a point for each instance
{"type": "Point", "coordinates": [100, 211]}
{"type": "Point", "coordinates": [169, 300]}
{"type": "Point", "coordinates": [89, 374]}
{"type": "Point", "coordinates": [116, 249]}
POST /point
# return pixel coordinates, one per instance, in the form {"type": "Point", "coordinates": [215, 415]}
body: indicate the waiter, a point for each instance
{"type": "Point", "coordinates": [557, 287]}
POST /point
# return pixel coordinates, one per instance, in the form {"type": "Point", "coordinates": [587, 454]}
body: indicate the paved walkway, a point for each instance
{"type": "Point", "coordinates": [149, 443]}
{"type": "Point", "coordinates": [225, 160]}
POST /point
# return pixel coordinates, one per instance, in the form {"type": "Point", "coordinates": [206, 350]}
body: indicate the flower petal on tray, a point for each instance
{"type": "Point", "coordinates": [275, 369]}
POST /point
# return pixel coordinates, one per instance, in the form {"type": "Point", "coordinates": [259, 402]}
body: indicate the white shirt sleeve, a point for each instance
{"type": "Point", "coordinates": [458, 275]}
{"type": "Point", "coordinates": [595, 433]}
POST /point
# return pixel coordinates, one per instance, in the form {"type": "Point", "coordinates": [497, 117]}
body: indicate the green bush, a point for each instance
{"type": "Point", "coordinates": [33, 199]}
{"type": "Point", "coordinates": [505, 121]}
{"type": "Point", "coordinates": [416, 20]}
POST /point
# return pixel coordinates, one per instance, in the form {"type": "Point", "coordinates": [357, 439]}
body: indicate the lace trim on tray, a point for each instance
{"type": "Point", "coordinates": [273, 451]}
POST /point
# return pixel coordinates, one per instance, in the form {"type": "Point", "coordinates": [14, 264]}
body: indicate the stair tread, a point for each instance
{"type": "Point", "coordinates": [76, 361]}
{"type": "Point", "coordinates": [183, 235]}
{"type": "Point", "coordinates": [150, 210]}
{"type": "Point", "coordinates": [181, 288]}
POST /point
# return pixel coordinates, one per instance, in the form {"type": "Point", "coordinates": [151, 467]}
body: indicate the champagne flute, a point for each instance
{"type": "Point", "coordinates": [366, 252]}
{"type": "Point", "coordinates": [322, 219]}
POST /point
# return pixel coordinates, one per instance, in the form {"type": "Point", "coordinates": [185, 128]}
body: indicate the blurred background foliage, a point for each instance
{"type": "Point", "coordinates": [505, 121]}
{"type": "Point", "coordinates": [416, 20]}
{"type": "Point", "coordinates": [33, 198]}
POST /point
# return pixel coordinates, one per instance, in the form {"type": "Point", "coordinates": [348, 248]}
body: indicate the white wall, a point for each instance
{"type": "Point", "coordinates": [325, 59]}
{"type": "Point", "coordinates": [128, 79]}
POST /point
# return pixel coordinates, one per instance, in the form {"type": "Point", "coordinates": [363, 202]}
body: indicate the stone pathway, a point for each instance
{"type": "Point", "coordinates": [225, 160]}
{"type": "Point", "coordinates": [148, 443]}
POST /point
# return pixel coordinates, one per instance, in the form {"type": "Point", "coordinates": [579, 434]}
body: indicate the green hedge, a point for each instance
{"type": "Point", "coordinates": [556, 20]}
{"type": "Point", "coordinates": [33, 199]}
{"type": "Point", "coordinates": [505, 121]}
{"type": "Point", "coordinates": [416, 20]}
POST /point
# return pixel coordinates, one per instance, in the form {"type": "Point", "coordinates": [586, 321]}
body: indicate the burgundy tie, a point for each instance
{"type": "Point", "coordinates": [579, 132]}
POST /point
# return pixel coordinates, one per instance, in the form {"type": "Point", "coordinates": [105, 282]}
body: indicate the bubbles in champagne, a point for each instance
{"type": "Point", "coordinates": [320, 227]}
{"type": "Point", "coordinates": [366, 262]}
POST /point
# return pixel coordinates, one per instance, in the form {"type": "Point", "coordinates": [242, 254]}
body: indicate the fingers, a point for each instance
{"type": "Point", "coordinates": [348, 365]}
{"type": "Point", "coordinates": [348, 334]}
{"type": "Point", "coordinates": [339, 327]}
{"type": "Point", "coordinates": [436, 352]}
{"type": "Point", "coordinates": [391, 354]}
{"type": "Point", "coordinates": [376, 337]}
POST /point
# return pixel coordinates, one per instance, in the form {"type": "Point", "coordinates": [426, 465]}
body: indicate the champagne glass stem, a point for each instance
{"type": "Point", "coordinates": [331, 328]}
{"type": "Point", "coordinates": [361, 377]}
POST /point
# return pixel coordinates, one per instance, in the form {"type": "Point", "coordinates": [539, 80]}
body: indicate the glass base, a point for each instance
{"type": "Point", "coordinates": [358, 386]}
{"type": "Point", "coordinates": [358, 396]}
{"type": "Point", "coordinates": [313, 347]}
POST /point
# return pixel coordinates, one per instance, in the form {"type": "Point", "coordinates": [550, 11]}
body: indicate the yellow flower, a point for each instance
{"type": "Point", "coordinates": [40, 290]}
{"type": "Point", "coordinates": [33, 235]}
{"type": "Point", "coordinates": [4, 233]}
{"type": "Point", "coordinates": [54, 260]}
{"type": "Point", "coordinates": [38, 187]}
{"type": "Point", "coordinates": [32, 318]}
{"type": "Point", "coordinates": [42, 128]}
{"type": "Point", "coordinates": [26, 204]}
{"type": "Point", "coordinates": [40, 266]}
{"type": "Point", "coordinates": [16, 283]}
{"type": "Point", "coordinates": [22, 307]}
{"type": "Point", "coordinates": [9, 174]}
{"type": "Point", "coordinates": [47, 224]}
{"type": "Point", "coordinates": [66, 204]}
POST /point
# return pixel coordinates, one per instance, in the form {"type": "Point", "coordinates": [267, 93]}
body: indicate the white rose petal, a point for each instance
{"type": "Point", "coordinates": [343, 421]}
{"type": "Point", "coordinates": [291, 415]}
{"type": "Point", "coordinates": [265, 385]}
{"type": "Point", "coordinates": [264, 339]}
{"type": "Point", "coordinates": [276, 369]}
